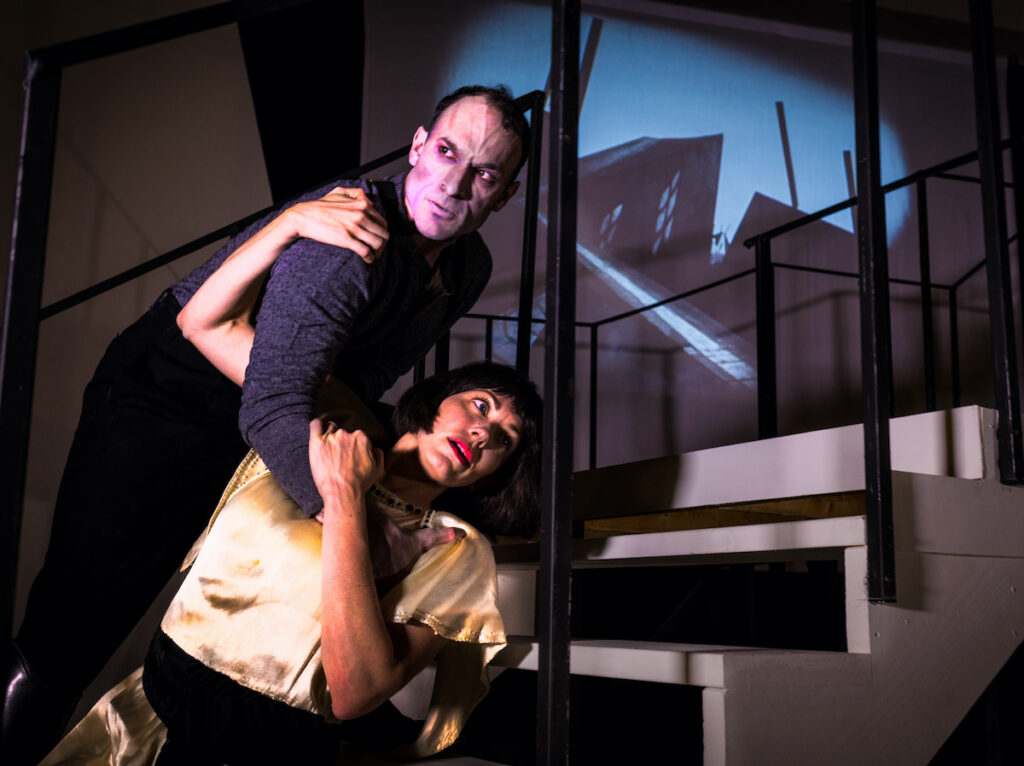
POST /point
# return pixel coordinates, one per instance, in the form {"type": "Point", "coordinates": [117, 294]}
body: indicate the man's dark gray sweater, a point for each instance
{"type": "Point", "coordinates": [325, 311]}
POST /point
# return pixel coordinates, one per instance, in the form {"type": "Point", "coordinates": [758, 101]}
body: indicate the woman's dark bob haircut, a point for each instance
{"type": "Point", "coordinates": [508, 501]}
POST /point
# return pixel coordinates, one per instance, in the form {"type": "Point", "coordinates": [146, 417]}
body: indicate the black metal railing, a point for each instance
{"type": "Point", "coordinates": [764, 273]}
{"type": "Point", "coordinates": [762, 244]}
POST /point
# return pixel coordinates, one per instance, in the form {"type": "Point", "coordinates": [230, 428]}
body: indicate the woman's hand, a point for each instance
{"type": "Point", "coordinates": [342, 217]}
{"type": "Point", "coordinates": [217, 319]}
{"type": "Point", "coordinates": [343, 464]}
{"type": "Point", "coordinates": [365, 659]}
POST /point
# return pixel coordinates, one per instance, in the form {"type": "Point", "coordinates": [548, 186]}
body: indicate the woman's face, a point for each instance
{"type": "Point", "coordinates": [474, 432]}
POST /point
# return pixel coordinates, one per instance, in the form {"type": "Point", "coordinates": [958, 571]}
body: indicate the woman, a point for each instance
{"type": "Point", "coordinates": [251, 665]}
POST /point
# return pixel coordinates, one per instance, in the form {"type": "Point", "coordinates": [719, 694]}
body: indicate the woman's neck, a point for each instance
{"type": "Point", "coordinates": [404, 475]}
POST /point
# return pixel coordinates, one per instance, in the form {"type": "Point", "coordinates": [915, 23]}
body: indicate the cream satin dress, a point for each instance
{"type": "Point", "coordinates": [250, 609]}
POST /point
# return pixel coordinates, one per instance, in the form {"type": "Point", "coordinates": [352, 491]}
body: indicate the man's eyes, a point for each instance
{"type": "Point", "coordinates": [484, 174]}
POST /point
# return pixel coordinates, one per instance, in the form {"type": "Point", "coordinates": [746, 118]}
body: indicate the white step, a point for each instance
{"type": "Point", "coordinates": [685, 664]}
{"type": "Point", "coordinates": [835, 538]}
{"type": "Point", "coordinates": [958, 443]}
{"type": "Point", "coordinates": [646, 549]}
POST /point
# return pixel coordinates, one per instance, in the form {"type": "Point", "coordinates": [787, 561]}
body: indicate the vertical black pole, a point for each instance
{"type": "Point", "coordinates": [1015, 116]}
{"type": "Point", "coordinates": [442, 353]}
{"type": "Point", "coordinates": [21, 315]}
{"type": "Point", "coordinates": [927, 329]}
{"type": "Point", "coordinates": [489, 339]}
{"type": "Point", "coordinates": [997, 256]}
{"type": "Point", "coordinates": [556, 491]}
{"type": "Point", "coordinates": [764, 300]}
{"type": "Point", "coordinates": [954, 347]}
{"type": "Point", "coordinates": [524, 329]}
{"type": "Point", "coordinates": [876, 343]}
{"type": "Point", "coordinates": [593, 395]}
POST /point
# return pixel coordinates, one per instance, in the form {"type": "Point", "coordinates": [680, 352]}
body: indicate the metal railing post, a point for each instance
{"type": "Point", "coordinates": [927, 328]}
{"type": "Point", "coordinates": [767, 380]}
{"type": "Point", "coordinates": [442, 353]}
{"type": "Point", "coordinates": [1015, 117]}
{"type": "Point", "coordinates": [524, 329]}
{"type": "Point", "coordinates": [876, 353]}
{"type": "Point", "coordinates": [21, 313]}
{"type": "Point", "coordinates": [954, 347]}
{"type": "Point", "coordinates": [997, 257]}
{"type": "Point", "coordinates": [592, 432]}
{"type": "Point", "coordinates": [553, 680]}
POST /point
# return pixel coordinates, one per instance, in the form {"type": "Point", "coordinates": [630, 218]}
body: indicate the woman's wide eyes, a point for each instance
{"type": "Point", "coordinates": [484, 407]}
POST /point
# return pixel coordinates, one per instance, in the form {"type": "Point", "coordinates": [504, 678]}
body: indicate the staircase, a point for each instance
{"type": "Point", "coordinates": [910, 671]}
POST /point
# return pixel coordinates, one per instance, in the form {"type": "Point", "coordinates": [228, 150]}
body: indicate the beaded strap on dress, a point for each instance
{"type": "Point", "coordinates": [390, 499]}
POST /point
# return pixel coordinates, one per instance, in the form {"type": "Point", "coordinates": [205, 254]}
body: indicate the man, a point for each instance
{"type": "Point", "coordinates": [159, 432]}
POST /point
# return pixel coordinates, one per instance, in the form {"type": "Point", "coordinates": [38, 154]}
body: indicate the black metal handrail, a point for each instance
{"type": "Point", "coordinates": [531, 101]}
{"type": "Point", "coordinates": [188, 248]}
{"type": "Point", "coordinates": [951, 289]}
{"type": "Point", "coordinates": [529, 247]}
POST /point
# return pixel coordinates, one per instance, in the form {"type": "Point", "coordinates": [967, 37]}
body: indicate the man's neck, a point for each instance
{"type": "Point", "coordinates": [430, 249]}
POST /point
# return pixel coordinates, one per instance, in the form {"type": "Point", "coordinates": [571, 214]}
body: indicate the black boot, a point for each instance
{"type": "Point", "coordinates": [35, 714]}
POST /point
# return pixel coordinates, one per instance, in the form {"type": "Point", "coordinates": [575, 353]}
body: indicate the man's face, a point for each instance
{"type": "Point", "coordinates": [460, 170]}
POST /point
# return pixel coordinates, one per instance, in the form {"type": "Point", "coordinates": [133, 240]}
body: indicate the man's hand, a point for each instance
{"type": "Point", "coordinates": [344, 218]}
{"type": "Point", "coordinates": [394, 550]}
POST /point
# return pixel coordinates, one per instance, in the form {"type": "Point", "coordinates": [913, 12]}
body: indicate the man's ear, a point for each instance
{"type": "Point", "coordinates": [418, 140]}
{"type": "Point", "coordinates": [505, 196]}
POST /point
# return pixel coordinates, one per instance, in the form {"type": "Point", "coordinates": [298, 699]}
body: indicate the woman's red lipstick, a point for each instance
{"type": "Point", "coordinates": [461, 450]}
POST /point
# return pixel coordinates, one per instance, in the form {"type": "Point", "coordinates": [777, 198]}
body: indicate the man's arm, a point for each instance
{"type": "Point", "coordinates": [312, 301]}
{"type": "Point", "coordinates": [217, 319]}
{"type": "Point", "coordinates": [307, 315]}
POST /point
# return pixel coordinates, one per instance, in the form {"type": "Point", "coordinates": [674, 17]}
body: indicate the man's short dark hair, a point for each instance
{"type": "Point", "coordinates": [508, 501]}
{"type": "Point", "coordinates": [500, 99]}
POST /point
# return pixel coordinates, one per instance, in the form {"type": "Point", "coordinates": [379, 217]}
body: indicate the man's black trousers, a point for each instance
{"type": "Point", "coordinates": [157, 442]}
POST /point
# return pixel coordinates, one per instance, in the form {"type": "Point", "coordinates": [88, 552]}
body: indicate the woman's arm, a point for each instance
{"type": "Point", "coordinates": [217, 318]}
{"type": "Point", "coordinates": [366, 660]}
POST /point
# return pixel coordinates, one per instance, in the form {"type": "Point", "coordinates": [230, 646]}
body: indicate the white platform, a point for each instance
{"type": "Point", "coordinates": [912, 669]}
